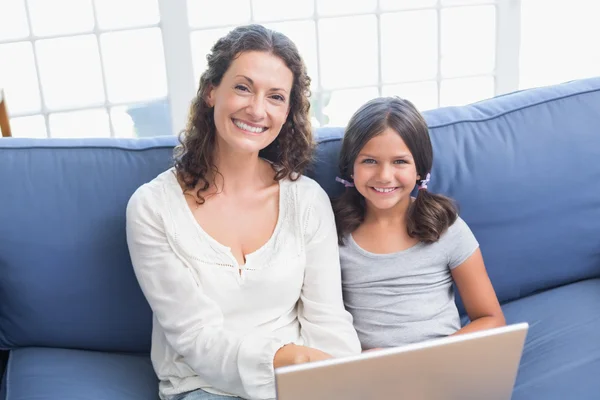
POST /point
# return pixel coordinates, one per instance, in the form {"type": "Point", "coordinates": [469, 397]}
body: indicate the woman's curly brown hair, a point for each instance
{"type": "Point", "coordinates": [289, 153]}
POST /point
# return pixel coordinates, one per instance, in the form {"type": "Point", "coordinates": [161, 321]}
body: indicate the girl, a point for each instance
{"type": "Point", "coordinates": [236, 255]}
{"type": "Point", "coordinates": [401, 255]}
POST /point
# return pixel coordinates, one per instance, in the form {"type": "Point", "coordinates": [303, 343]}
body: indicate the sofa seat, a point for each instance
{"type": "Point", "coordinates": [562, 351]}
{"type": "Point", "coordinates": [50, 374]}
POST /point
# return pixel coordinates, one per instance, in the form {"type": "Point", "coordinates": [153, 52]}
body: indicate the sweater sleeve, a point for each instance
{"type": "Point", "coordinates": [325, 323]}
{"type": "Point", "coordinates": [192, 322]}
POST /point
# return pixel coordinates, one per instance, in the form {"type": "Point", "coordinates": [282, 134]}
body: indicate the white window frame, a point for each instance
{"type": "Point", "coordinates": [182, 85]}
{"type": "Point", "coordinates": [180, 74]}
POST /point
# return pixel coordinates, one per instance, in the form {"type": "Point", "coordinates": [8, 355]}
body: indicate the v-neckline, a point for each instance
{"type": "Point", "coordinates": [226, 249]}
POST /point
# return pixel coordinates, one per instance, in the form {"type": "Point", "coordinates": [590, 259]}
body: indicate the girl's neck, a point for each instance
{"type": "Point", "coordinates": [391, 217]}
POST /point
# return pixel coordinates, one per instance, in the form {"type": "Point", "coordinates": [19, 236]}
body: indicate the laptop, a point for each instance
{"type": "Point", "coordinates": [478, 365]}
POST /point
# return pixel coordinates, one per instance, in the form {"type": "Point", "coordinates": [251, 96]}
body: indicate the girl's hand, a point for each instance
{"type": "Point", "coordinates": [292, 354]}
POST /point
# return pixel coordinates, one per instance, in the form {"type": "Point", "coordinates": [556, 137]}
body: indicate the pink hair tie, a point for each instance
{"type": "Point", "coordinates": [424, 182]}
{"type": "Point", "coordinates": [345, 182]}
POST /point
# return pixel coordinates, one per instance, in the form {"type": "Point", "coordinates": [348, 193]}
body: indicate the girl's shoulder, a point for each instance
{"type": "Point", "coordinates": [459, 242]}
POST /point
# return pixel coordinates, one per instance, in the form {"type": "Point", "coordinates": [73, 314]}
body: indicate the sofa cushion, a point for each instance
{"type": "Point", "coordinates": [43, 373]}
{"type": "Point", "coordinates": [561, 359]}
{"type": "Point", "coordinates": [65, 275]}
{"type": "Point", "coordinates": [524, 170]}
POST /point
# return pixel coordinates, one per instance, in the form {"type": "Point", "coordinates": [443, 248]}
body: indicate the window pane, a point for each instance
{"type": "Point", "coordinates": [207, 13]}
{"type": "Point", "coordinates": [391, 5]}
{"type": "Point", "coordinates": [424, 95]}
{"type": "Point", "coordinates": [561, 46]}
{"type": "Point", "coordinates": [341, 7]}
{"type": "Point", "coordinates": [148, 119]}
{"type": "Point", "coordinates": [468, 40]}
{"type": "Point", "coordinates": [353, 60]}
{"type": "Point", "coordinates": [463, 2]}
{"type": "Point", "coordinates": [13, 20]}
{"type": "Point", "coordinates": [58, 17]}
{"type": "Point", "coordinates": [70, 71]}
{"type": "Point", "coordinates": [113, 14]}
{"type": "Point", "coordinates": [303, 34]}
{"type": "Point", "coordinates": [122, 122]}
{"type": "Point", "coordinates": [338, 106]}
{"type": "Point", "coordinates": [271, 10]}
{"type": "Point", "coordinates": [457, 92]}
{"type": "Point", "coordinates": [18, 78]}
{"type": "Point", "coordinates": [134, 65]}
{"type": "Point", "coordinates": [316, 108]}
{"type": "Point", "coordinates": [80, 124]}
{"type": "Point", "coordinates": [409, 48]}
{"type": "Point", "coordinates": [201, 42]}
{"type": "Point", "coordinates": [29, 127]}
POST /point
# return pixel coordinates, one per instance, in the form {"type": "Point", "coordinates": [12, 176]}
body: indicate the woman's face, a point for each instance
{"type": "Point", "coordinates": [252, 102]}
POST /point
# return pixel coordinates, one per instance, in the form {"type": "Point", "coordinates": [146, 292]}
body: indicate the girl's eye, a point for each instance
{"type": "Point", "coordinates": [368, 161]}
{"type": "Point", "coordinates": [400, 161]}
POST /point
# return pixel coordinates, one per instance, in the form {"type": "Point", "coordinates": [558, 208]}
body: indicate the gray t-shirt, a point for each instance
{"type": "Point", "coordinates": [405, 297]}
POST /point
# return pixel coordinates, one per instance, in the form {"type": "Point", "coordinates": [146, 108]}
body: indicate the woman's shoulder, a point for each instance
{"type": "Point", "coordinates": [307, 190]}
{"type": "Point", "coordinates": [149, 194]}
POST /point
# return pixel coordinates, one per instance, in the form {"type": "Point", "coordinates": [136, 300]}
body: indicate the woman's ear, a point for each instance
{"type": "Point", "coordinates": [210, 97]}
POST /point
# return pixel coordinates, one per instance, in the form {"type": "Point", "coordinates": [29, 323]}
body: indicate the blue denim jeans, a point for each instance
{"type": "Point", "coordinates": [202, 395]}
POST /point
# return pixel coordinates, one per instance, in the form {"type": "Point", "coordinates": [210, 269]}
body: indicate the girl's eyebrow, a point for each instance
{"type": "Point", "coordinates": [401, 155]}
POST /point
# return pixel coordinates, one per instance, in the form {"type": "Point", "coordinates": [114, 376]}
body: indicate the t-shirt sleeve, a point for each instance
{"type": "Point", "coordinates": [460, 243]}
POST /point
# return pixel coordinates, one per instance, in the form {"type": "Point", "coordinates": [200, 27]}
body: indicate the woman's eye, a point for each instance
{"type": "Point", "coordinates": [278, 97]}
{"type": "Point", "coordinates": [242, 88]}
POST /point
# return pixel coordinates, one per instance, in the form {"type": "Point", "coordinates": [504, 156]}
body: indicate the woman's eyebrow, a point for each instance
{"type": "Point", "coordinates": [252, 83]}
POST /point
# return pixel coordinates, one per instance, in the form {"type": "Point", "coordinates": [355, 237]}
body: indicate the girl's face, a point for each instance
{"type": "Point", "coordinates": [385, 172]}
{"type": "Point", "coordinates": [251, 103]}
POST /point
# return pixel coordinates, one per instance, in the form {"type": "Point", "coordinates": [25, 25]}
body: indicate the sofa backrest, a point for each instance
{"type": "Point", "coordinates": [65, 275]}
{"type": "Point", "coordinates": [524, 169]}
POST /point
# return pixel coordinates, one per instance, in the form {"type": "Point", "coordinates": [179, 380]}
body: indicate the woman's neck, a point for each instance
{"type": "Point", "coordinates": [240, 172]}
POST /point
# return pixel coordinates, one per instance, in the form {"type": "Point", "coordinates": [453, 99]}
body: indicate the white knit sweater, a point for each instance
{"type": "Point", "coordinates": [217, 329]}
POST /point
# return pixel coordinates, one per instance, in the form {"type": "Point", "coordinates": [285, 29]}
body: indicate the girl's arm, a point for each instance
{"type": "Point", "coordinates": [477, 294]}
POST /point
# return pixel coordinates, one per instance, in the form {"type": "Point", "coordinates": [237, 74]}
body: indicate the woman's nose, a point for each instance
{"type": "Point", "coordinates": [256, 108]}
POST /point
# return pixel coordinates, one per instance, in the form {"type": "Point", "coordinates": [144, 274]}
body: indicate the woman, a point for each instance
{"type": "Point", "coordinates": [236, 255]}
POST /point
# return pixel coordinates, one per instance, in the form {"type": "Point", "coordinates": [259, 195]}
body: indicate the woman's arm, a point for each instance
{"type": "Point", "coordinates": [477, 294]}
{"type": "Point", "coordinates": [193, 324]}
{"type": "Point", "coordinates": [325, 323]}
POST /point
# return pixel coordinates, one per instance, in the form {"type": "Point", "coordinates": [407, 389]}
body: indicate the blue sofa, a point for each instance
{"type": "Point", "coordinates": [524, 169]}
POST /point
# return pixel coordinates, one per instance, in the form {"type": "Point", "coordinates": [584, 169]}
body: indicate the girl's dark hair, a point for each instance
{"type": "Point", "coordinates": [430, 214]}
{"type": "Point", "coordinates": [289, 153]}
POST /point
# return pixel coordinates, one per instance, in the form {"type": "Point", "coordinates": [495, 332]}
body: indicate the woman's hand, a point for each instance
{"type": "Point", "coordinates": [375, 349]}
{"type": "Point", "coordinates": [291, 354]}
